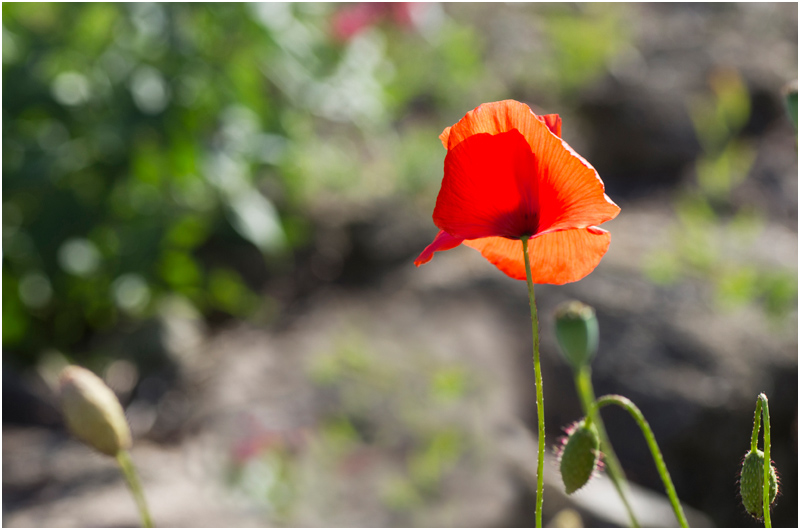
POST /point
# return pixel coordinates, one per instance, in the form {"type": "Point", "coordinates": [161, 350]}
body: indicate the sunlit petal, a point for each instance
{"type": "Point", "coordinates": [556, 257]}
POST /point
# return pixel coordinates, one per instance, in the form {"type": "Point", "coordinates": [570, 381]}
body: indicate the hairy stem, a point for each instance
{"type": "Point", "coordinates": [583, 382]}
{"type": "Point", "coordinates": [539, 394]}
{"type": "Point", "coordinates": [762, 400]}
{"type": "Point", "coordinates": [634, 411]}
{"type": "Point", "coordinates": [756, 426]}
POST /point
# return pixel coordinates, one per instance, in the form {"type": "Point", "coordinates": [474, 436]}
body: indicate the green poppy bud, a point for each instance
{"type": "Point", "coordinates": [751, 483]}
{"type": "Point", "coordinates": [92, 411]}
{"type": "Point", "coordinates": [579, 456]}
{"type": "Point", "coordinates": [577, 332]}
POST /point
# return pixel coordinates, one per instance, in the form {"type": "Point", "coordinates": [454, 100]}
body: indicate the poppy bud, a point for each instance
{"type": "Point", "coordinates": [751, 483]}
{"type": "Point", "coordinates": [577, 333]}
{"type": "Point", "coordinates": [92, 411]}
{"type": "Point", "coordinates": [580, 455]}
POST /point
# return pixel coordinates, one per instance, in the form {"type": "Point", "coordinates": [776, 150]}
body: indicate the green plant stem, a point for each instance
{"type": "Point", "coordinates": [762, 399]}
{"type": "Point", "coordinates": [128, 470]}
{"type": "Point", "coordinates": [634, 411]}
{"type": "Point", "coordinates": [539, 394]}
{"type": "Point", "coordinates": [756, 426]}
{"type": "Point", "coordinates": [583, 382]}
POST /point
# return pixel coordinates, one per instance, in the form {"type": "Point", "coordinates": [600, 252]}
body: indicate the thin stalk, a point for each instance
{"type": "Point", "coordinates": [126, 465]}
{"type": "Point", "coordinates": [583, 382]}
{"type": "Point", "coordinates": [539, 394]}
{"type": "Point", "coordinates": [756, 426]}
{"type": "Point", "coordinates": [634, 411]}
{"type": "Point", "coordinates": [762, 399]}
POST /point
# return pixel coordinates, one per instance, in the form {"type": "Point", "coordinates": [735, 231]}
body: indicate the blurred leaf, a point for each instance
{"type": "Point", "coordinates": [747, 224]}
{"type": "Point", "coordinates": [419, 160]}
{"type": "Point", "coordinates": [695, 213]}
{"type": "Point", "coordinates": [711, 131]}
{"type": "Point", "coordinates": [733, 99]}
{"type": "Point", "coordinates": [348, 359]}
{"type": "Point", "coordinates": [737, 286]}
{"type": "Point", "coordinates": [94, 27]}
{"type": "Point", "coordinates": [791, 102]}
{"type": "Point", "coordinates": [179, 270]}
{"type": "Point", "coordinates": [780, 292]}
{"type": "Point", "coordinates": [229, 293]}
{"type": "Point", "coordinates": [188, 232]}
{"type": "Point", "coordinates": [399, 493]}
{"type": "Point", "coordinates": [718, 175]}
{"type": "Point", "coordinates": [15, 317]}
{"type": "Point", "coordinates": [583, 44]}
{"type": "Point", "coordinates": [662, 267]}
{"type": "Point", "coordinates": [449, 383]}
{"type": "Point", "coordinates": [428, 465]}
{"type": "Point", "coordinates": [339, 435]}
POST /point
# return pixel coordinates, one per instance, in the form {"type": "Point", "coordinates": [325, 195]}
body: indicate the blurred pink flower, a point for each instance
{"type": "Point", "coordinates": [351, 19]}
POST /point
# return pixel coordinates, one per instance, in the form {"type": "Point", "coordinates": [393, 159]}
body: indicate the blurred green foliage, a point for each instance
{"type": "Point", "coordinates": [132, 133]}
{"type": "Point", "coordinates": [406, 409]}
{"type": "Point", "coordinates": [584, 38]}
{"type": "Point", "coordinates": [398, 428]}
{"type": "Point", "coordinates": [707, 216]}
{"type": "Point", "coordinates": [161, 150]}
{"type": "Point", "coordinates": [790, 94]}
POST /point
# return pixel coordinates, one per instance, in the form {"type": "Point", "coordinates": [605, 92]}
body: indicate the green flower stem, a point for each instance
{"type": "Point", "coordinates": [633, 410]}
{"type": "Point", "coordinates": [539, 394]}
{"type": "Point", "coordinates": [583, 382]}
{"type": "Point", "coordinates": [126, 465]}
{"type": "Point", "coordinates": [756, 425]}
{"type": "Point", "coordinates": [762, 400]}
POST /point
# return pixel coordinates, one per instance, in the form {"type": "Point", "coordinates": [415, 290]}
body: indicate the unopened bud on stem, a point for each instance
{"type": "Point", "coordinates": [751, 483]}
{"type": "Point", "coordinates": [92, 411]}
{"type": "Point", "coordinates": [577, 333]}
{"type": "Point", "coordinates": [579, 456]}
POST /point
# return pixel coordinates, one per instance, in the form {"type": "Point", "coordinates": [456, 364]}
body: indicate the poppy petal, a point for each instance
{"type": "Point", "coordinates": [442, 241]}
{"type": "Point", "coordinates": [553, 122]}
{"type": "Point", "coordinates": [445, 136]}
{"type": "Point", "coordinates": [571, 192]}
{"type": "Point", "coordinates": [493, 118]}
{"type": "Point", "coordinates": [520, 111]}
{"type": "Point", "coordinates": [556, 257]}
{"type": "Point", "coordinates": [489, 188]}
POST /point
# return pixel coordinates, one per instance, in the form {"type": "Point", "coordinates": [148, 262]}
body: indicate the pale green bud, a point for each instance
{"type": "Point", "coordinates": [577, 332]}
{"type": "Point", "coordinates": [92, 411]}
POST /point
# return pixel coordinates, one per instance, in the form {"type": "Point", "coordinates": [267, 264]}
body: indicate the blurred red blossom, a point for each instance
{"type": "Point", "coordinates": [351, 19]}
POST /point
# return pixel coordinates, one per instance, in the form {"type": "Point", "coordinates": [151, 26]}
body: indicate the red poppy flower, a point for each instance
{"type": "Point", "coordinates": [508, 174]}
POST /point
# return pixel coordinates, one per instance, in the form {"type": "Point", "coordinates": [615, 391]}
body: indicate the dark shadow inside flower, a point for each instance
{"type": "Point", "coordinates": [492, 188]}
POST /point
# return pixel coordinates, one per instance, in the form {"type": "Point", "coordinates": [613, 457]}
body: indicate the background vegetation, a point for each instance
{"type": "Point", "coordinates": [164, 160]}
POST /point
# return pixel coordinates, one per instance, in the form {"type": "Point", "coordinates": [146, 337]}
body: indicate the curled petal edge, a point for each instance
{"type": "Point", "coordinates": [442, 241]}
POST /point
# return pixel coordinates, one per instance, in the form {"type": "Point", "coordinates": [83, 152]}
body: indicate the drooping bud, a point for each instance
{"type": "Point", "coordinates": [577, 333]}
{"type": "Point", "coordinates": [92, 411]}
{"type": "Point", "coordinates": [751, 483]}
{"type": "Point", "coordinates": [580, 455]}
